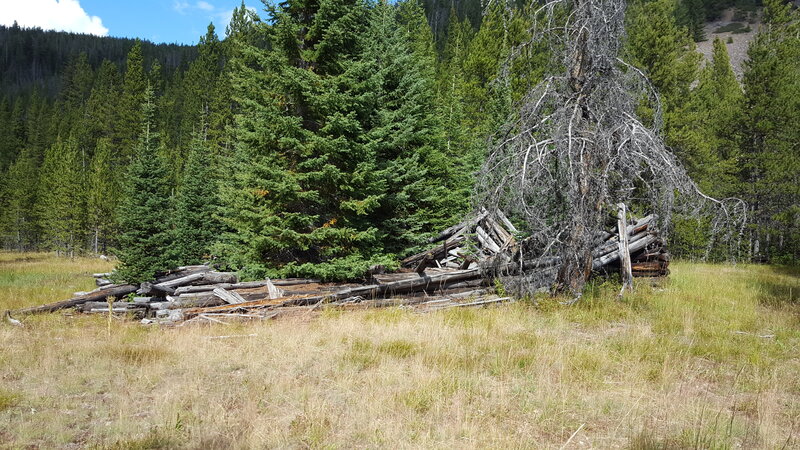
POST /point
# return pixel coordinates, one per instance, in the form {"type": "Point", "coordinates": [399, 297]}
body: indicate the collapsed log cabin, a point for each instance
{"type": "Point", "coordinates": [458, 270]}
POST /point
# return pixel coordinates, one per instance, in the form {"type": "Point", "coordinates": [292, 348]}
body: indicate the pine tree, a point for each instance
{"type": "Point", "coordinates": [101, 108]}
{"type": "Point", "coordinates": [130, 104]}
{"type": "Point", "coordinates": [103, 196]}
{"type": "Point", "coordinates": [196, 206]}
{"type": "Point", "coordinates": [718, 102]}
{"type": "Point", "coordinates": [666, 53]}
{"type": "Point", "coordinates": [18, 221]}
{"type": "Point", "coordinates": [145, 209]}
{"type": "Point", "coordinates": [771, 131]}
{"type": "Point", "coordinates": [61, 200]}
{"type": "Point", "coordinates": [308, 184]}
{"type": "Point", "coordinates": [405, 135]}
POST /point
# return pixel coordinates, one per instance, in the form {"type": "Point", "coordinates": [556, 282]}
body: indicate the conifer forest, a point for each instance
{"type": "Point", "coordinates": [319, 138]}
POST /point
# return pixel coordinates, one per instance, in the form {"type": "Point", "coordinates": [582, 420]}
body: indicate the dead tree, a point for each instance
{"type": "Point", "coordinates": [574, 146]}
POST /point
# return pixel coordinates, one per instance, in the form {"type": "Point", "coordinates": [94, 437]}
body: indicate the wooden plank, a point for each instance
{"type": "Point", "coordinates": [624, 252]}
{"type": "Point", "coordinates": [230, 297]}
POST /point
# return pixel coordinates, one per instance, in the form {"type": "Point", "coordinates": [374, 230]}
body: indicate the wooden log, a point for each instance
{"type": "Point", "coordinates": [424, 262]}
{"type": "Point", "coordinates": [461, 227]}
{"type": "Point", "coordinates": [640, 244]}
{"type": "Point", "coordinates": [180, 272]}
{"type": "Point", "coordinates": [220, 277]}
{"type": "Point", "coordinates": [100, 282]}
{"type": "Point", "coordinates": [195, 302]}
{"type": "Point", "coordinates": [229, 297]}
{"type": "Point", "coordinates": [148, 288]}
{"type": "Point", "coordinates": [182, 281]}
{"type": "Point", "coordinates": [294, 281]}
{"type": "Point", "coordinates": [231, 286]}
{"type": "Point", "coordinates": [509, 226]}
{"type": "Point", "coordinates": [486, 240]}
{"type": "Point", "coordinates": [101, 275]}
{"type": "Point", "coordinates": [624, 251]}
{"type": "Point", "coordinates": [116, 291]}
{"type": "Point", "coordinates": [438, 252]}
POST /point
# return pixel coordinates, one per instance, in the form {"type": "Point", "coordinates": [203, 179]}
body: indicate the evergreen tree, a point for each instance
{"type": "Point", "coordinates": [103, 196]}
{"type": "Point", "coordinates": [145, 209]}
{"type": "Point", "coordinates": [101, 108]}
{"type": "Point", "coordinates": [717, 103]}
{"type": "Point", "coordinates": [196, 225]}
{"type": "Point", "coordinates": [61, 200]}
{"type": "Point", "coordinates": [130, 104]}
{"type": "Point", "coordinates": [405, 134]}
{"type": "Point", "coordinates": [308, 184]}
{"type": "Point", "coordinates": [771, 126]}
{"type": "Point", "coordinates": [666, 53]}
{"type": "Point", "coordinates": [20, 226]}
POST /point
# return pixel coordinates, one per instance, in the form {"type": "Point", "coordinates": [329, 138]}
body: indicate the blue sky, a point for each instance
{"type": "Point", "coordinates": [179, 21]}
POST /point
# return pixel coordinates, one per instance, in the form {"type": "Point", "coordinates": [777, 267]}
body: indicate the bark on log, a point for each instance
{"type": "Point", "coordinates": [116, 291]}
{"type": "Point", "coordinates": [229, 297]}
{"type": "Point", "coordinates": [624, 251]}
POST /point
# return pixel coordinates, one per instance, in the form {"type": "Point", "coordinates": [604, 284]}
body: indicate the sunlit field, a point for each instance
{"type": "Point", "coordinates": [707, 359]}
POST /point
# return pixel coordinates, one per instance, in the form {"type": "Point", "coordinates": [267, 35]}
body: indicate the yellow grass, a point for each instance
{"type": "Point", "coordinates": [681, 365]}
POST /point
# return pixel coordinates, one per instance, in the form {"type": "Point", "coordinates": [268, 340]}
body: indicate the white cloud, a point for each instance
{"type": "Point", "coordinates": [205, 6]}
{"type": "Point", "coordinates": [62, 15]}
{"type": "Point", "coordinates": [181, 7]}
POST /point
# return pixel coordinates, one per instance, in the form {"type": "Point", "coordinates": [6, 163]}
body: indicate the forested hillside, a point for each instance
{"type": "Point", "coordinates": [318, 138]}
{"type": "Point", "coordinates": [33, 58]}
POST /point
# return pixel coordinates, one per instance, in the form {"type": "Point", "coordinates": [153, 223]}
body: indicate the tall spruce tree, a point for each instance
{"type": "Point", "coordinates": [405, 134]}
{"type": "Point", "coordinates": [20, 226]}
{"type": "Point", "coordinates": [309, 185]}
{"type": "Point", "coordinates": [61, 199]}
{"type": "Point", "coordinates": [103, 196]}
{"type": "Point", "coordinates": [129, 112]}
{"type": "Point", "coordinates": [771, 126]}
{"type": "Point", "coordinates": [196, 206]}
{"type": "Point", "coordinates": [145, 211]}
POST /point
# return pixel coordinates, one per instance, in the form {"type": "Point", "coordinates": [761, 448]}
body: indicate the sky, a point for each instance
{"type": "Point", "coordinates": [170, 21]}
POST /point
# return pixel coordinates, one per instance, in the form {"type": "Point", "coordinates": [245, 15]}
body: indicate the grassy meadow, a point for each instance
{"type": "Point", "coordinates": [708, 359]}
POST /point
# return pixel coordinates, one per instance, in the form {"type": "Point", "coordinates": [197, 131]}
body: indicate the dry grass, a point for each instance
{"type": "Point", "coordinates": [677, 366]}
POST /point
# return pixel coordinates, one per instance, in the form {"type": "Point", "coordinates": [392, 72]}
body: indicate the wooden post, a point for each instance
{"type": "Point", "coordinates": [626, 271]}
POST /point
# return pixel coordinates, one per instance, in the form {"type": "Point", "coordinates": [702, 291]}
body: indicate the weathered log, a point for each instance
{"type": "Point", "coordinates": [116, 291]}
{"type": "Point", "coordinates": [424, 262]}
{"type": "Point", "coordinates": [180, 272]}
{"type": "Point", "coordinates": [148, 288]}
{"type": "Point", "coordinates": [624, 251]}
{"type": "Point", "coordinates": [486, 241]}
{"type": "Point", "coordinates": [220, 277]}
{"type": "Point", "coordinates": [229, 297]}
{"type": "Point", "coordinates": [438, 251]}
{"type": "Point", "coordinates": [446, 234]}
{"type": "Point", "coordinates": [633, 247]}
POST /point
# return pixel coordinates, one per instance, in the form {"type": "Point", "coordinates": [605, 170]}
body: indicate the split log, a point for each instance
{"type": "Point", "coordinates": [485, 240]}
{"type": "Point", "coordinates": [446, 234]}
{"type": "Point", "coordinates": [116, 291]}
{"type": "Point", "coordinates": [624, 251]}
{"type": "Point", "coordinates": [229, 297]}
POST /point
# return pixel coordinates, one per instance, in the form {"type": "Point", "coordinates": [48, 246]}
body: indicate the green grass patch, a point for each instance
{"type": "Point", "coordinates": [8, 399]}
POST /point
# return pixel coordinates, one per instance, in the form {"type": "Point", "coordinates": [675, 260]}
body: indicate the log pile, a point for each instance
{"type": "Point", "coordinates": [457, 271]}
